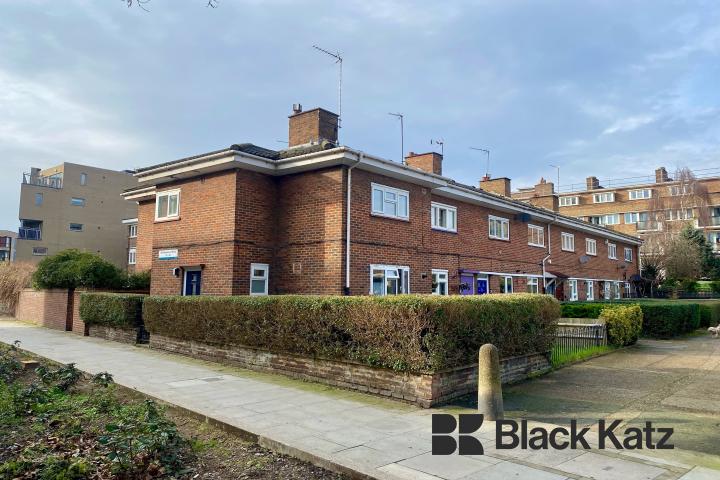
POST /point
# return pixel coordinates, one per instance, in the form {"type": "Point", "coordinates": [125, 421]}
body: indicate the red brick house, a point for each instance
{"type": "Point", "coordinates": [317, 218]}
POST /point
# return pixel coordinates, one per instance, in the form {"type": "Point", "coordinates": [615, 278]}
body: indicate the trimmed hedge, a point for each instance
{"type": "Point", "coordinates": [406, 333]}
{"type": "Point", "coordinates": [661, 319]}
{"type": "Point", "coordinates": [709, 314]}
{"type": "Point", "coordinates": [623, 323]}
{"type": "Point", "coordinates": [117, 310]}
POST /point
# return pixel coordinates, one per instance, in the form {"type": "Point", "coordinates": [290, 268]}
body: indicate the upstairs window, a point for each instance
{"type": "Point", "coordinates": [77, 202]}
{"type": "Point", "coordinates": [609, 219]}
{"type": "Point", "coordinates": [536, 236]}
{"type": "Point", "coordinates": [132, 230]}
{"type": "Point", "coordinates": [628, 254]}
{"type": "Point", "coordinates": [640, 194]}
{"type": "Point", "coordinates": [567, 242]}
{"type": "Point", "coordinates": [440, 282]}
{"type": "Point", "coordinates": [76, 227]}
{"type": "Point", "coordinates": [167, 205]}
{"type": "Point", "coordinates": [676, 190]}
{"type": "Point", "coordinates": [443, 217]}
{"type": "Point", "coordinates": [569, 201]}
{"type": "Point", "coordinates": [390, 202]}
{"type": "Point", "coordinates": [590, 246]}
{"type": "Point", "coordinates": [38, 199]}
{"type": "Point", "coordinates": [498, 228]}
{"type": "Point", "coordinates": [605, 197]}
{"type": "Point", "coordinates": [612, 251]}
{"type": "Point", "coordinates": [389, 280]}
{"type": "Point", "coordinates": [681, 214]}
{"type": "Point", "coordinates": [83, 179]}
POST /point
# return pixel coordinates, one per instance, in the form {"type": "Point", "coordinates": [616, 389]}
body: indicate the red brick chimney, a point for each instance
{"type": "Point", "coordinates": [312, 126]}
{"type": "Point", "coordinates": [661, 175]}
{"type": "Point", "coordinates": [592, 183]}
{"type": "Point", "coordinates": [500, 186]}
{"type": "Point", "coordinates": [430, 162]}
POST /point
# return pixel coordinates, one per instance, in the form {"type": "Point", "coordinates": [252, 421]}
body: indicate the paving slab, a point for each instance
{"type": "Point", "coordinates": [348, 431]}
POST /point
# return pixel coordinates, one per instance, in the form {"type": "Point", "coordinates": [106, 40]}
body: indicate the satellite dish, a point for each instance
{"type": "Point", "coordinates": [584, 259]}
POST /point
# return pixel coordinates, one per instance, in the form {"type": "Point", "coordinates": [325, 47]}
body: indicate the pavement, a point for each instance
{"type": "Point", "coordinates": [371, 437]}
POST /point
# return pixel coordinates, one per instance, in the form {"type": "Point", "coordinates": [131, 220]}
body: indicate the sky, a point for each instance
{"type": "Point", "coordinates": [599, 87]}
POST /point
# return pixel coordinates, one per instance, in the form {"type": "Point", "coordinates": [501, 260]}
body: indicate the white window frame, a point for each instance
{"type": "Point", "coordinates": [498, 221]}
{"type": "Point", "coordinates": [450, 212]}
{"type": "Point", "coordinates": [679, 214]}
{"type": "Point", "coordinates": [40, 251]}
{"type": "Point", "coordinates": [533, 285]}
{"type": "Point", "coordinates": [607, 291]}
{"type": "Point", "coordinates": [573, 286]}
{"type": "Point", "coordinates": [591, 251]}
{"type": "Point", "coordinates": [506, 283]}
{"type": "Point", "coordinates": [677, 190]}
{"type": "Point", "coordinates": [437, 280]}
{"type": "Point", "coordinates": [628, 254]}
{"type": "Point", "coordinates": [532, 229]}
{"type": "Point", "coordinates": [612, 251]}
{"type": "Point", "coordinates": [80, 203]}
{"type": "Point", "coordinates": [616, 288]}
{"type": "Point", "coordinates": [402, 272]}
{"type": "Point", "coordinates": [132, 256]}
{"type": "Point", "coordinates": [569, 201]}
{"type": "Point", "coordinates": [167, 193]}
{"type": "Point", "coordinates": [571, 238]}
{"type": "Point", "coordinates": [627, 287]}
{"type": "Point", "coordinates": [380, 209]}
{"type": "Point", "coordinates": [589, 290]}
{"type": "Point", "coordinates": [83, 179]}
{"type": "Point", "coordinates": [265, 276]}
{"type": "Point", "coordinates": [604, 197]}
{"type": "Point", "coordinates": [640, 194]}
{"type": "Point", "coordinates": [132, 230]}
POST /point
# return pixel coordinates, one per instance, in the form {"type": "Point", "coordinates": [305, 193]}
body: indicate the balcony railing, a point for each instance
{"type": "Point", "coordinates": [5, 242]}
{"type": "Point", "coordinates": [714, 221]}
{"type": "Point", "coordinates": [50, 182]}
{"type": "Point", "coordinates": [27, 233]}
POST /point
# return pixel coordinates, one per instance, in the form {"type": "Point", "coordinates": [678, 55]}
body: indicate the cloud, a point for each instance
{"type": "Point", "coordinates": [628, 124]}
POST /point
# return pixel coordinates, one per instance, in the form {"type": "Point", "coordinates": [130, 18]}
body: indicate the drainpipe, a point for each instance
{"type": "Point", "coordinates": [346, 290]}
{"type": "Point", "coordinates": [547, 257]}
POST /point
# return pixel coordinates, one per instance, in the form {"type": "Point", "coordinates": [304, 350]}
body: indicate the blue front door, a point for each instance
{"type": "Point", "coordinates": [482, 286]}
{"type": "Point", "coordinates": [193, 279]}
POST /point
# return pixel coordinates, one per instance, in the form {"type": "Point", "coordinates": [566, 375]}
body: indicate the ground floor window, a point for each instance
{"type": "Point", "coordinates": [506, 285]}
{"type": "Point", "coordinates": [606, 291]}
{"type": "Point", "coordinates": [533, 285]}
{"type": "Point", "coordinates": [131, 256]}
{"type": "Point", "coordinates": [616, 290]}
{"type": "Point", "coordinates": [590, 290]}
{"type": "Point", "coordinates": [628, 292]}
{"type": "Point", "coordinates": [389, 280]}
{"type": "Point", "coordinates": [440, 282]}
{"type": "Point", "coordinates": [573, 287]}
{"type": "Point", "coordinates": [259, 278]}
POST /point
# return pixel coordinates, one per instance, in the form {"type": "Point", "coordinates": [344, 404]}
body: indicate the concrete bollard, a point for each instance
{"type": "Point", "coordinates": [490, 401]}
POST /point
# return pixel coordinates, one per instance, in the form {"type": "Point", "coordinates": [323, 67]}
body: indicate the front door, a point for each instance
{"type": "Point", "coordinates": [466, 284]}
{"type": "Point", "coordinates": [193, 281]}
{"type": "Point", "coordinates": [482, 286]}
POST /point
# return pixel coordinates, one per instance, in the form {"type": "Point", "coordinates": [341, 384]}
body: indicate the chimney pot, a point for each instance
{"type": "Point", "coordinates": [297, 108]}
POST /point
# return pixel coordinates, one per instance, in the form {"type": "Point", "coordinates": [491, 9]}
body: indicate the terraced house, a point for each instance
{"type": "Point", "coordinates": [319, 218]}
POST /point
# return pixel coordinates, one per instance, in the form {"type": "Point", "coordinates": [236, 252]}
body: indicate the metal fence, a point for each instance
{"type": "Point", "coordinates": [576, 337]}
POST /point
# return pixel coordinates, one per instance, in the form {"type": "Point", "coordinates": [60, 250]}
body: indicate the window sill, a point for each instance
{"type": "Point", "coordinates": [536, 245]}
{"type": "Point", "coordinates": [163, 220]}
{"type": "Point", "coordinates": [566, 250]}
{"type": "Point", "coordinates": [444, 230]}
{"type": "Point", "coordinates": [390, 217]}
{"type": "Point", "coordinates": [591, 254]}
{"type": "Point", "coordinates": [500, 239]}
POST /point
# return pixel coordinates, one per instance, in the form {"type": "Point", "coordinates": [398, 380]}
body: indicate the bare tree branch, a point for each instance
{"type": "Point", "coordinates": [142, 3]}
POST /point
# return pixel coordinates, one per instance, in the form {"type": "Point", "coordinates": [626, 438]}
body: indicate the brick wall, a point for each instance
{"type": "Point", "coordinates": [296, 224]}
{"type": "Point", "coordinates": [115, 334]}
{"type": "Point", "coordinates": [424, 390]}
{"type": "Point", "coordinates": [46, 308]}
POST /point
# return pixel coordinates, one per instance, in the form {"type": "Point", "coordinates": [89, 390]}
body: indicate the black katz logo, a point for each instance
{"type": "Point", "coordinates": [443, 443]}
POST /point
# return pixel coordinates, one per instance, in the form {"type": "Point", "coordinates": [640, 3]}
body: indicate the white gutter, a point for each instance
{"type": "Point", "coordinates": [347, 224]}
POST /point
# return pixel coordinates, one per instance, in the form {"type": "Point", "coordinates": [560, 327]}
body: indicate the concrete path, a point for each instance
{"type": "Point", "coordinates": [675, 383]}
{"type": "Point", "coordinates": [369, 436]}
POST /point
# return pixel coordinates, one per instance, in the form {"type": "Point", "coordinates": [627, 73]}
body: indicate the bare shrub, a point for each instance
{"type": "Point", "coordinates": [14, 276]}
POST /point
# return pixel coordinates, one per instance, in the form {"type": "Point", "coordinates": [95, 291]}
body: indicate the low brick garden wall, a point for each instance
{"type": "Point", "coordinates": [45, 308]}
{"type": "Point", "coordinates": [121, 335]}
{"type": "Point", "coordinates": [425, 390]}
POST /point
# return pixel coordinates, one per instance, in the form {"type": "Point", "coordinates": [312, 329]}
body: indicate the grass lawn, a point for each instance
{"type": "Point", "coordinates": [57, 424]}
